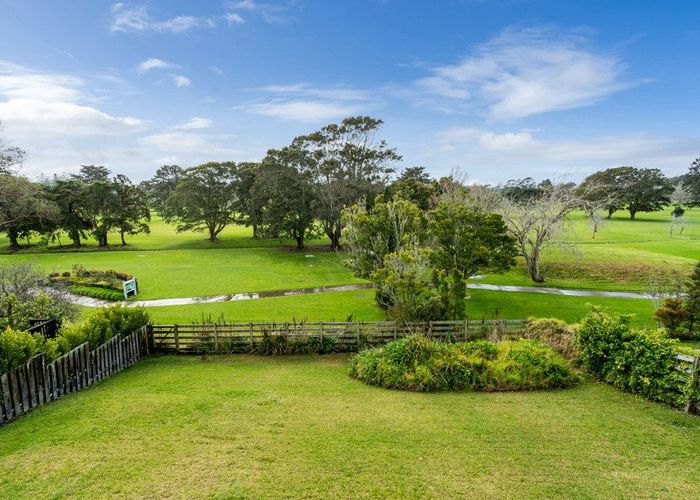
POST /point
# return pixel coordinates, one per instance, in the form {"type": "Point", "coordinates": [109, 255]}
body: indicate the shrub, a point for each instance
{"type": "Point", "coordinates": [17, 347]}
{"type": "Point", "coordinates": [673, 314]}
{"type": "Point", "coordinates": [102, 325]}
{"type": "Point", "coordinates": [553, 332]}
{"type": "Point", "coordinates": [277, 344]}
{"type": "Point", "coordinates": [636, 361]}
{"type": "Point", "coordinates": [417, 363]}
{"type": "Point", "coordinates": [97, 293]}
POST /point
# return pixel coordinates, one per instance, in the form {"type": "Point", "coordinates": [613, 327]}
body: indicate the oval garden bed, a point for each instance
{"type": "Point", "coordinates": [420, 364]}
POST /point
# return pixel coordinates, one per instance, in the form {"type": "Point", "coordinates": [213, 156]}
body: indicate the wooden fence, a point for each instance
{"type": "Point", "coordinates": [347, 336]}
{"type": "Point", "coordinates": [36, 382]}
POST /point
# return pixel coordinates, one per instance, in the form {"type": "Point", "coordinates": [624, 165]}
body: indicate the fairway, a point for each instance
{"type": "Point", "coordinates": [246, 426]}
{"type": "Point", "coordinates": [624, 256]}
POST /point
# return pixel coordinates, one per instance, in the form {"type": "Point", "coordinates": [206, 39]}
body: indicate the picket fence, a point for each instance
{"type": "Point", "coordinates": [36, 382]}
{"type": "Point", "coordinates": [347, 336]}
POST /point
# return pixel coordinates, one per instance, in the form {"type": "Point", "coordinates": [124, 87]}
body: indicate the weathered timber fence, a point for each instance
{"type": "Point", "coordinates": [347, 336]}
{"type": "Point", "coordinates": [37, 382]}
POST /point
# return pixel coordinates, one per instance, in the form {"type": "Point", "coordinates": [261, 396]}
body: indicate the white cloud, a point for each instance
{"type": "Point", "coordinates": [304, 103]}
{"type": "Point", "coordinates": [138, 18]}
{"type": "Point", "coordinates": [179, 142]}
{"type": "Point", "coordinates": [271, 13]}
{"type": "Point", "coordinates": [155, 63]}
{"type": "Point", "coordinates": [302, 110]}
{"type": "Point", "coordinates": [502, 155]}
{"type": "Point", "coordinates": [233, 18]}
{"type": "Point", "coordinates": [39, 103]}
{"type": "Point", "coordinates": [527, 72]}
{"type": "Point", "coordinates": [181, 81]}
{"type": "Point", "coordinates": [195, 123]}
{"type": "Point", "coordinates": [216, 70]}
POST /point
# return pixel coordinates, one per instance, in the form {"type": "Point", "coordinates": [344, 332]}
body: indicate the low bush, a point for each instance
{"type": "Point", "coordinates": [417, 363]}
{"type": "Point", "coordinates": [637, 361]}
{"type": "Point", "coordinates": [276, 344]}
{"type": "Point", "coordinates": [93, 278]}
{"type": "Point", "coordinates": [102, 325]}
{"type": "Point", "coordinates": [553, 332]}
{"type": "Point", "coordinates": [17, 347]}
{"type": "Point", "coordinates": [97, 293]}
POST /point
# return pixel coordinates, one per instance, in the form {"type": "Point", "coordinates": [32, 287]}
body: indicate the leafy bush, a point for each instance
{"type": "Point", "coordinates": [102, 325]}
{"type": "Point", "coordinates": [277, 344]}
{"type": "Point", "coordinates": [97, 293]}
{"type": "Point", "coordinates": [16, 312]}
{"type": "Point", "coordinates": [417, 363]}
{"type": "Point", "coordinates": [553, 332]}
{"type": "Point", "coordinates": [81, 277]}
{"type": "Point", "coordinates": [17, 347]}
{"type": "Point", "coordinates": [636, 361]}
{"type": "Point", "coordinates": [673, 315]}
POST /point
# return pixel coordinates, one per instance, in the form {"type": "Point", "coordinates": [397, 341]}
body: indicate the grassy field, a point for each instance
{"type": "Point", "coordinates": [251, 427]}
{"type": "Point", "coordinates": [623, 256]}
{"type": "Point", "coordinates": [360, 305]}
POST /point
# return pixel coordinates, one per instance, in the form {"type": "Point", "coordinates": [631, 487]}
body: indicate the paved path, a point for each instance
{"type": "Point", "coordinates": [90, 302]}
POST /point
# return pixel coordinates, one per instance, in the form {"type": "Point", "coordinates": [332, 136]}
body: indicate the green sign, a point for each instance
{"type": "Point", "coordinates": [130, 288]}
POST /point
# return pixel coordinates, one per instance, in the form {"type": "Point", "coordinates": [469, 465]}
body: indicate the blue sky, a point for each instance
{"type": "Point", "coordinates": [499, 89]}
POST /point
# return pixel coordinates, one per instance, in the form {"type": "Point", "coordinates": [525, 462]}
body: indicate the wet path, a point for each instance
{"type": "Point", "coordinates": [182, 301]}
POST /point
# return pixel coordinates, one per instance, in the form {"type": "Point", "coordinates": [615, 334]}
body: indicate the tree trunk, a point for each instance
{"type": "Point", "coordinates": [121, 233]}
{"type": "Point", "coordinates": [255, 231]}
{"type": "Point", "coordinates": [300, 242]}
{"type": "Point", "coordinates": [12, 234]}
{"type": "Point", "coordinates": [610, 213]}
{"type": "Point", "coordinates": [102, 241]}
{"type": "Point", "coordinates": [74, 235]}
{"type": "Point", "coordinates": [632, 214]}
{"type": "Point", "coordinates": [212, 234]}
{"type": "Point", "coordinates": [533, 266]}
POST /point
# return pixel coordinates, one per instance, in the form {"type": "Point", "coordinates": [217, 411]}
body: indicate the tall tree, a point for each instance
{"type": "Point", "coordinates": [692, 183]}
{"type": "Point", "coordinates": [649, 191]}
{"type": "Point", "coordinates": [248, 207]}
{"type": "Point", "coordinates": [93, 173]}
{"type": "Point", "coordinates": [205, 199]}
{"type": "Point", "coordinates": [68, 196]}
{"type": "Point", "coordinates": [23, 207]}
{"type": "Point", "coordinates": [349, 164]}
{"type": "Point", "coordinates": [466, 240]}
{"type": "Point", "coordinates": [132, 213]}
{"type": "Point", "coordinates": [607, 187]}
{"type": "Point", "coordinates": [286, 194]}
{"type": "Point", "coordinates": [161, 185]}
{"type": "Point", "coordinates": [534, 223]}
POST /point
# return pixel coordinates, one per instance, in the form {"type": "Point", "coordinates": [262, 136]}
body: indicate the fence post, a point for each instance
{"type": "Point", "coordinates": [252, 344]}
{"type": "Point", "coordinates": [690, 405]}
{"type": "Point", "coordinates": [216, 337]}
{"type": "Point", "coordinates": [177, 338]}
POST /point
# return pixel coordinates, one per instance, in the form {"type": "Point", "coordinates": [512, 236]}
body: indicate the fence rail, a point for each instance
{"type": "Point", "coordinates": [689, 367]}
{"type": "Point", "coordinates": [347, 336]}
{"type": "Point", "coordinates": [36, 382]}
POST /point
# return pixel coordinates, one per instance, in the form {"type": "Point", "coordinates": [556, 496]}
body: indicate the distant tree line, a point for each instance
{"type": "Point", "coordinates": [300, 191]}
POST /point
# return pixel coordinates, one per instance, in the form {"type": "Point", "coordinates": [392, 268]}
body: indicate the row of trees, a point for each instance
{"type": "Point", "coordinates": [91, 202]}
{"type": "Point", "coordinates": [297, 191]}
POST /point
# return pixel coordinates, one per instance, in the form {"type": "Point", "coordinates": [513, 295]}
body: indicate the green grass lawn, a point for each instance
{"type": "Point", "coordinates": [251, 427]}
{"type": "Point", "coordinates": [622, 257]}
{"type": "Point", "coordinates": [361, 306]}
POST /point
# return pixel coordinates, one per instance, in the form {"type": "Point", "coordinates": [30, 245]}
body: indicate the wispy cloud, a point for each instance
{"type": "Point", "coordinates": [233, 18]}
{"type": "Point", "coordinates": [179, 142]}
{"type": "Point", "coordinates": [138, 18]}
{"type": "Point", "coordinates": [155, 63]}
{"type": "Point", "coordinates": [277, 13]}
{"type": "Point", "coordinates": [181, 81]}
{"type": "Point", "coordinates": [39, 103]}
{"type": "Point", "coordinates": [305, 103]}
{"type": "Point", "coordinates": [526, 72]}
{"type": "Point", "coordinates": [195, 123]}
{"type": "Point", "coordinates": [509, 153]}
